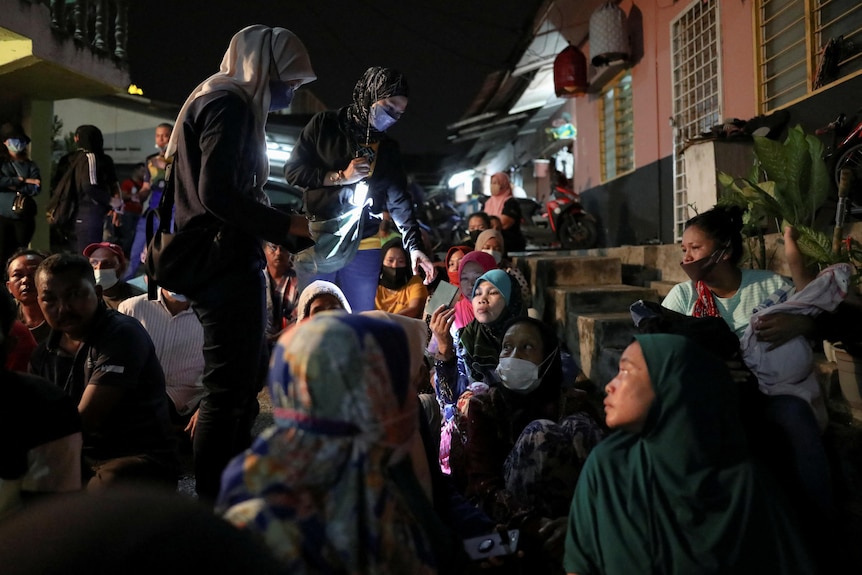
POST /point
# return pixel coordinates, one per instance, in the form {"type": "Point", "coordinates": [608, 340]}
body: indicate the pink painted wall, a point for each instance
{"type": "Point", "coordinates": [652, 88]}
{"type": "Point", "coordinates": [739, 90]}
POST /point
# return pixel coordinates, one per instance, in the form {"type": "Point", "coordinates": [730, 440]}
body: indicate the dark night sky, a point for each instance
{"type": "Point", "coordinates": [445, 48]}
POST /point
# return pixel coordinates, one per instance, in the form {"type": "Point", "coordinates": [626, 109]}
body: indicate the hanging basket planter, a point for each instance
{"type": "Point", "coordinates": [609, 35]}
{"type": "Point", "coordinates": [570, 73]}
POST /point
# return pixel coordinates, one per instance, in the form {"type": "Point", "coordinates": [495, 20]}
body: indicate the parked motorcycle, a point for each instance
{"type": "Point", "coordinates": [442, 221]}
{"type": "Point", "coordinates": [563, 221]}
{"type": "Point", "coordinates": [845, 151]}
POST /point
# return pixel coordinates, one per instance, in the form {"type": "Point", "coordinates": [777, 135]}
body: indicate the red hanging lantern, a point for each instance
{"type": "Point", "coordinates": [570, 73]}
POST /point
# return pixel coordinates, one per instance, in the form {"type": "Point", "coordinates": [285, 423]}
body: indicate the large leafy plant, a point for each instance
{"type": "Point", "coordinates": [787, 184]}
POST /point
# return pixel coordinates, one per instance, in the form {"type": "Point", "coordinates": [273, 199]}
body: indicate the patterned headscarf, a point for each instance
{"type": "Point", "coordinates": [376, 84]}
{"type": "Point", "coordinates": [318, 484]}
{"type": "Point", "coordinates": [254, 52]}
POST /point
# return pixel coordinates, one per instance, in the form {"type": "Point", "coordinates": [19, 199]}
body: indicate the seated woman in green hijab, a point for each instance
{"type": "Point", "coordinates": [673, 489]}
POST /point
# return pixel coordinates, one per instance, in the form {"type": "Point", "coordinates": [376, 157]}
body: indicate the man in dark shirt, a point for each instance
{"type": "Point", "coordinates": [106, 362]}
{"type": "Point", "coordinates": [41, 448]}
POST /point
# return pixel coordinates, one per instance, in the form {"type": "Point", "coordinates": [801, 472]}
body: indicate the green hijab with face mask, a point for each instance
{"type": "Point", "coordinates": [681, 496]}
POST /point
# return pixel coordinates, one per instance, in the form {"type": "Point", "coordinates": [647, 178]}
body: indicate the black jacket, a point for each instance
{"type": "Point", "coordinates": [326, 145]}
{"type": "Point", "coordinates": [214, 170]}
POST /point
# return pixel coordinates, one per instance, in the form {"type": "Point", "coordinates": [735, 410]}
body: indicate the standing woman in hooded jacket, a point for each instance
{"type": "Point", "coordinates": [93, 181]}
{"type": "Point", "coordinates": [336, 152]}
{"type": "Point", "coordinates": [218, 150]}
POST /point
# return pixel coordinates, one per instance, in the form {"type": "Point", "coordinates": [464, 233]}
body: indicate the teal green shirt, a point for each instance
{"type": "Point", "coordinates": [756, 286]}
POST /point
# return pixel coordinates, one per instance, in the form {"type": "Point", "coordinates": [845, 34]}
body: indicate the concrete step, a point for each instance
{"type": "Point", "coordinates": [543, 272]}
{"type": "Point", "coordinates": [600, 341]}
{"type": "Point", "coordinates": [563, 304]}
{"type": "Point", "coordinates": [639, 275]}
{"type": "Point", "coordinates": [572, 270]}
{"type": "Point", "coordinates": [662, 287]}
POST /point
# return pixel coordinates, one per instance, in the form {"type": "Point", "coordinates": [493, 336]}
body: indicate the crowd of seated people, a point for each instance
{"type": "Point", "coordinates": [361, 472]}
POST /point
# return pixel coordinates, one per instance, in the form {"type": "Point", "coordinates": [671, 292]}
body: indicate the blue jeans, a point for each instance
{"type": "Point", "coordinates": [139, 245]}
{"type": "Point", "coordinates": [231, 309]}
{"type": "Point", "coordinates": [358, 279]}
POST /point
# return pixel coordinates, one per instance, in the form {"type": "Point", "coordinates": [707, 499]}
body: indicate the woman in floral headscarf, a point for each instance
{"type": "Point", "coordinates": [348, 164]}
{"type": "Point", "coordinates": [320, 484]}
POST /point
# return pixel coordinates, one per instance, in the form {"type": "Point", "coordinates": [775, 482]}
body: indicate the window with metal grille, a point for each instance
{"type": "Point", "coordinates": [616, 129]}
{"type": "Point", "coordinates": [805, 44]}
{"type": "Point", "coordinates": [696, 90]}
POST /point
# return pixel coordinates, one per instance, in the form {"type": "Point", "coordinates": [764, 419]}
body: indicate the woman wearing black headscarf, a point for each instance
{"type": "Point", "coordinates": [528, 438]}
{"type": "Point", "coordinates": [339, 151]}
{"type": "Point", "coordinates": [399, 291]}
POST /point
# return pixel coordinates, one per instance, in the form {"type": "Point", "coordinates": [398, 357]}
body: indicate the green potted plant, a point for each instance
{"type": "Point", "coordinates": [787, 185]}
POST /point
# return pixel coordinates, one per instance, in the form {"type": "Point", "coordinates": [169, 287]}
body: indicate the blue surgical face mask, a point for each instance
{"type": "Point", "coordinates": [16, 145]}
{"type": "Point", "coordinates": [280, 95]}
{"type": "Point", "coordinates": [380, 118]}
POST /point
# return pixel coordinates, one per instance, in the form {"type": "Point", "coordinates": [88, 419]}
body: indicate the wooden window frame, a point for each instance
{"type": "Point", "coordinates": [620, 141]}
{"type": "Point", "coordinates": [813, 28]}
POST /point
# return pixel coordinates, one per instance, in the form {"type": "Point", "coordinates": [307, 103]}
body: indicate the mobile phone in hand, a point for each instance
{"type": "Point", "coordinates": [444, 294]}
{"type": "Point", "coordinates": [492, 545]}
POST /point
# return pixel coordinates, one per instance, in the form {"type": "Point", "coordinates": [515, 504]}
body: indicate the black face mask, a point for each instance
{"type": "Point", "coordinates": [699, 269]}
{"type": "Point", "coordinates": [395, 278]}
{"type": "Point", "coordinates": [474, 235]}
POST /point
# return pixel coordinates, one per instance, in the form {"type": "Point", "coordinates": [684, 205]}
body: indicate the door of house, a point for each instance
{"type": "Point", "coordinates": [696, 81]}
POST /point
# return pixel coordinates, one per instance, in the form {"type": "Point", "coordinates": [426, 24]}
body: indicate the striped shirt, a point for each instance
{"type": "Point", "coordinates": [179, 341]}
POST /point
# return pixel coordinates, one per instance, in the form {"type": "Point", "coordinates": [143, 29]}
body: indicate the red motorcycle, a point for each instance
{"type": "Point", "coordinates": [563, 221]}
{"type": "Point", "coordinates": [574, 227]}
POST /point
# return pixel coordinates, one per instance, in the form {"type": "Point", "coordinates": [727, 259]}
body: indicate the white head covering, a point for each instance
{"type": "Point", "coordinates": [245, 70]}
{"type": "Point", "coordinates": [315, 289]}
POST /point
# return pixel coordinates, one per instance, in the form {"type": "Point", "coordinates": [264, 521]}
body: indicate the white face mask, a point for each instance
{"type": "Point", "coordinates": [518, 375]}
{"type": "Point", "coordinates": [497, 255]}
{"type": "Point", "coordinates": [106, 278]}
